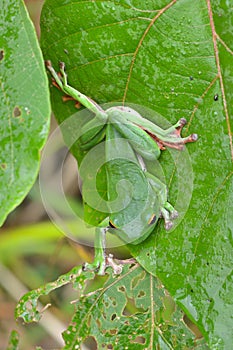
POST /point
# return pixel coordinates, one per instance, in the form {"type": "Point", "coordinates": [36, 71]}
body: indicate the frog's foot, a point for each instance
{"type": "Point", "coordinates": [97, 266]}
{"type": "Point", "coordinates": [169, 214]}
{"type": "Point", "coordinates": [117, 268]}
{"type": "Point", "coordinates": [174, 134]}
{"type": "Point", "coordinates": [58, 79]}
{"type": "Point", "coordinates": [100, 266]}
{"type": "Point", "coordinates": [172, 138]}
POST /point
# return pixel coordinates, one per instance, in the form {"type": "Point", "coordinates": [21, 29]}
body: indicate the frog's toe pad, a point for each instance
{"type": "Point", "coordinates": [168, 225]}
{"type": "Point", "coordinates": [174, 214]}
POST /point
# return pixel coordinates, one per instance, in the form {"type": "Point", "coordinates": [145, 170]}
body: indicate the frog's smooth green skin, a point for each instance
{"type": "Point", "coordinates": [144, 139]}
{"type": "Point", "coordinates": [99, 264]}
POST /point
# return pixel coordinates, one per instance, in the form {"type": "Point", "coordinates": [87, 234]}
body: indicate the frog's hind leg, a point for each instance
{"type": "Point", "coordinates": [172, 136]}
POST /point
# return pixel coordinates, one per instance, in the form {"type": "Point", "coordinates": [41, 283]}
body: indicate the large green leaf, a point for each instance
{"type": "Point", "coordinates": [129, 311]}
{"type": "Point", "coordinates": [25, 107]}
{"type": "Point", "coordinates": [132, 309]}
{"type": "Point", "coordinates": [176, 58]}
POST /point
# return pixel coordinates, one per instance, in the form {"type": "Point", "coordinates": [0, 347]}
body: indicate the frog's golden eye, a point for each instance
{"type": "Point", "coordinates": [152, 219]}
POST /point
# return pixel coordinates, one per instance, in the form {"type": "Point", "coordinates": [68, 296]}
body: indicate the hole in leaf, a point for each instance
{"type": "Point", "coordinates": [192, 327]}
{"type": "Point", "coordinates": [3, 166]}
{"type": "Point", "coordinates": [89, 343]}
{"type": "Point", "coordinates": [139, 340]}
{"type": "Point", "coordinates": [141, 294]}
{"type": "Point", "coordinates": [113, 317]}
{"type": "Point", "coordinates": [17, 112]}
{"type": "Point", "coordinates": [28, 305]}
{"type": "Point", "coordinates": [98, 323]}
{"type": "Point", "coordinates": [109, 346]}
{"type": "Point", "coordinates": [113, 301]}
{"type": "Point", "coordinates": [121, 289]}
{"type": "Point", "coordinates": [137, 279]}
{"type": "Point", "coordinates": [131, 308]}
{"type": "Point", "coordinates": [2, 53]}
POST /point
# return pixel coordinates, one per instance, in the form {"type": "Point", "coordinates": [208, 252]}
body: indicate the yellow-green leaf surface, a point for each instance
{"type": "Point", "coordinates": [174, 57]}
{"type": "Point", "coordinates": [25, 107]}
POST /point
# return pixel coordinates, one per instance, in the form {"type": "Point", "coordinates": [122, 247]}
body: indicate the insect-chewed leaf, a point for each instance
{"type": "Point", "coordinates": [27, 307]}
{"type": "Point", "coordinates": [129, 309]}
{"type": "Point", "coordinates": [13, 342]}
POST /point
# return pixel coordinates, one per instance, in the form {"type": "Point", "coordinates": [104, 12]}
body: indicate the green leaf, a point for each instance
{"type": "Point", "coordinates": [27, 307]}
{"type": "Point", "coordinates": [132, 308]}
{"type": "Point", "coordinates": [24, 104]}
{"type": "Point", "coordinates": [13, 341]}
{"type": "Point", "coordinates": [175, 58]}
{"type": "Point", "coordinates": [129, 312]}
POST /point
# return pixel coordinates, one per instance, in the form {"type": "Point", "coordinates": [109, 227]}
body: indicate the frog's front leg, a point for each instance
{"type": "Point", "coordinates": [61, 81]}
{"type": "Point", "coordinates": [168, 213]}
{"type": "Point", "coordinates": [101, 261]}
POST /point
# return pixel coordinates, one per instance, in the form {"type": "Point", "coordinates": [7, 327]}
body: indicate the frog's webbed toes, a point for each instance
{"type": "Point", "coordinates": [177, 132]}
{"type": "Point", "coordinates": [172, 137]}
{"type": "Point", "coordinates": [100, 267]}
{"type": "Point", "coordinates": [169, 214]}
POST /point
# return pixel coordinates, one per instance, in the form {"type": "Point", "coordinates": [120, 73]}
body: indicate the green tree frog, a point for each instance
{"type": "Point", "coordinates": [129, 140]}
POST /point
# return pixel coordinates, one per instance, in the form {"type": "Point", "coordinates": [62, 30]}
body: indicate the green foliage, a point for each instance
{"type": "Point", "coordinates": [13, 341]}
{"type": "Point", "coordinates": [175, 58]}
{"type": "Point", "coordinates": [105, 316]}
{"type": "Point", "coordinates": [25, 106]}
{"type": "Point", "coordinates": [129, 309]}
{"type": "Point", "coordinates": [27, 305]}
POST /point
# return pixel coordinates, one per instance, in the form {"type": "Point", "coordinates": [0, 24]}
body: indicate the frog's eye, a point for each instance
{"type": "Point", "coordinates": [152, 220]}
{"type": "Point", "coordinates": [111, 224]}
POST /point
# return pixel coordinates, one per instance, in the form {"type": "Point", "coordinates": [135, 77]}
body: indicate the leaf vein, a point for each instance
{"type": "Point", "coordinates": [217, 58]}
{"type": "Point", "coordinates": [140, 44]}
